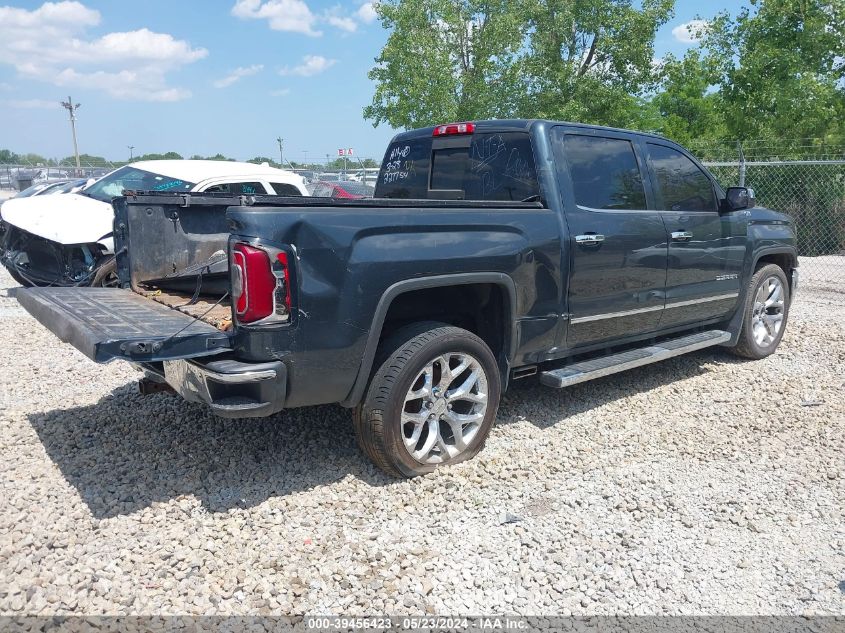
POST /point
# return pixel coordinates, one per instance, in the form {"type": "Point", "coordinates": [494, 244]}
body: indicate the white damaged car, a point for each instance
{"type": "Point", "coordinates": [66, 239]}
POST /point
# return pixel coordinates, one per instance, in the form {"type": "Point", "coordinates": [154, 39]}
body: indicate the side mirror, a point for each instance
{"type": "Point", "coordinates": [738, 198]}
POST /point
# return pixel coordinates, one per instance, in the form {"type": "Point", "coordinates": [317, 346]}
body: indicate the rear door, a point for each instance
{"type": "Point", "coordinates": [115, 323]}
{"type": "Point", "coordinates": [618, 246]}
{"type": "Point", "coordinates": [706, 247]}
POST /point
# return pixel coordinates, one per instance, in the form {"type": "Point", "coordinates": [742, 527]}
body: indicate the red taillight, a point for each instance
{"type": "Point", "coordinates": [260, 289]}
{"type": "Point", "coordinates": [452, 129]}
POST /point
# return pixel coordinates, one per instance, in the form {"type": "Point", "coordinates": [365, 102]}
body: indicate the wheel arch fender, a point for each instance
{"type": "Point", "coordinates": [735, 324]}
{"type": "Point", "coordinates": [510, 334]}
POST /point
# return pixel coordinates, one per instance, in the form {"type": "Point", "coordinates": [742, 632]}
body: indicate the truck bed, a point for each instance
{"type": "Point", "coordinates": [209, 309]}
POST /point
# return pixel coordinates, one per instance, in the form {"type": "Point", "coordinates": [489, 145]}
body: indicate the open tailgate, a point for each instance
{"type": "Point", "coordinates": [109, 323]}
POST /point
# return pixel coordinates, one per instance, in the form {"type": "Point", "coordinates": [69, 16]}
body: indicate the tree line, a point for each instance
{"type": "Point", "coordinates": [775, 72]}
{"type": "Point", "coordinates": [8, 157]}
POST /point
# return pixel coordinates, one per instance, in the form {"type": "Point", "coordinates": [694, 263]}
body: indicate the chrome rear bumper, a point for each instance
{"type": "Point", "coordinates": [231, 388]}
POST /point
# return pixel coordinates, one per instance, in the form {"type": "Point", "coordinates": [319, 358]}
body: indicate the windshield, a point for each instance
{"type": "Point", "coordinates": [133, 179]}
{"type": "Point", "coordinates": [31, 191]}
{"type": "Point", "coordinates": [64, 188]}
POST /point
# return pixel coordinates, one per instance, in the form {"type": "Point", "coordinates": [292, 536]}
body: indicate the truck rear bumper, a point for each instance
{"type": "Point", "coordinates": [231, 388]}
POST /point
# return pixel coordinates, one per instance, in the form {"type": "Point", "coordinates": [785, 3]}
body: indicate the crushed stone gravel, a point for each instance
{"type": "Point", "coordinates": [700, 485]}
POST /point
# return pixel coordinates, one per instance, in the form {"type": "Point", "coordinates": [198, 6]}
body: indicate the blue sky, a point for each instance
{"type": "Point", "coordinates": [201, 77]}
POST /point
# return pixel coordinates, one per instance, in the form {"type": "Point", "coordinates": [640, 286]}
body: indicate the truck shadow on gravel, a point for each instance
{"type": "Point", "coordinates": [129, 451]}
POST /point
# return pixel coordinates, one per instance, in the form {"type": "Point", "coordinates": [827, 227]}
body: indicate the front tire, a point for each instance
{"type": "Point", "coordinates": [432, 402]}
{"type": "Point", "coordinates": [766, 312]}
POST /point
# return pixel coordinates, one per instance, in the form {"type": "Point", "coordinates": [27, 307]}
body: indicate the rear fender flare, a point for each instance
{"type": "Point", "coordinates": [511, 335]}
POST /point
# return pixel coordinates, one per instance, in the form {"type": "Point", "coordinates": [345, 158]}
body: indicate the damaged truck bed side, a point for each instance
{"type": "Point", "coordinates": [493, 251]}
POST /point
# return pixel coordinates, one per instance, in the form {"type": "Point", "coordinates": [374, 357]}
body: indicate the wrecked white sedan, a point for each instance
{"type": "Point", "coordinates": [66, 239]}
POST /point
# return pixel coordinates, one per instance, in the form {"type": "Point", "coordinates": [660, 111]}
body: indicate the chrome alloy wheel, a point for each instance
{"type": "Point", "coordinates": [444, 408]}
{"type": "Point", "coordinates": [767, 313]}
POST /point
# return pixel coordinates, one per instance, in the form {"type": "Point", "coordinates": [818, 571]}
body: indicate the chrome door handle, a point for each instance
{"type": "Point", "coordinates": [589, 238]}
{"type": "Point", "coordinates": [681, 236]}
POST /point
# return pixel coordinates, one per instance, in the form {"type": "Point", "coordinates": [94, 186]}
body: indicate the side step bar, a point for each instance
{"type": "Point", "coordinates": [606, 365]}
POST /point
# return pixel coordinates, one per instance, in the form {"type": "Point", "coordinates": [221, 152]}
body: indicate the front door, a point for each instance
{"type": "Point", "coordinates": [706, 247]}
{"type": "Point", "coordinates": [617, 246]}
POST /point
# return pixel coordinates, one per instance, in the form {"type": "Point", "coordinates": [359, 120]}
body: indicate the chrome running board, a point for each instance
{"type": "Point", "coordinates": [606, 365]}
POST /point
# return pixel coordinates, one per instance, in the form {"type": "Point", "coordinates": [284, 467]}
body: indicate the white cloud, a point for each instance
{"type": "Point", "coordinates": [341, 22]}
{"type": "Point", "coordinates": [367, 13]}
{"type": "Point", "coordinates": [281, 92]}
{"type": "Point", "coordinates": [29, 104]}
{"type": "Point", "coordinates": [311, 65]}
{"type": "Point", "coordinates": [282, 15]}
{"type": "Point", "coordinates": [295, 15]}
{"type": "Point", "coordinates": [50, 44]}
{"type": "Point", "coordinates": [237, 74]}
{"type": "Point", "coordinates": [690, 32]}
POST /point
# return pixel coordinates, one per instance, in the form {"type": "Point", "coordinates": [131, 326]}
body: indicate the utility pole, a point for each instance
{"type": "Point", "coordinates": [281, 143]}
{"type": "Point", "coordinates": [131, 156]}
{"type": "Point", "coordinates": [72, 107]}
{"type": "Point", "coordinates": [305, 153]}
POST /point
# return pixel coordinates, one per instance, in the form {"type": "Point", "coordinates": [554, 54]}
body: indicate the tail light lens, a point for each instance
{"type": "Point", "coordinates": [260, 284]}
{"type": "Point", "coordinates": [454, 129]}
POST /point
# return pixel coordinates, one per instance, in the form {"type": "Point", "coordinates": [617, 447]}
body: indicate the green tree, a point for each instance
{"type": "Point", "coordinates": [264, 159]}
{"type": "Point", "coordinates": [687, 104]}
{"type": "Point", "coordinates": [8, 156]}
{"type": "Point", "coordinates": [33, 159]}
{"type": "Point", "coordinates": [445, 60]}
{"type": "Point", "coordinates": [781, 69]}
{"type": "Point", "coordinates": [591, 60]}
{"type": "Point", "coordinates": [165, 156]}
{"type": "Point", "coordinates": [85, 160]}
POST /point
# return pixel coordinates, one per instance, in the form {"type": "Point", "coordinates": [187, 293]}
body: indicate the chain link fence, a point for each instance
{"type": "Point", "coordinates": [805, 180]}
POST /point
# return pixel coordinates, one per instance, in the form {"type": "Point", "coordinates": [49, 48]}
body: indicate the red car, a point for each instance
{"type": "Point", "coordinates": [342, 189]}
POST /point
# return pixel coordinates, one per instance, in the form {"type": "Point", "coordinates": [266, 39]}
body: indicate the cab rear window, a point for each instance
{"type": "Point", "coordinates": [491, 166]}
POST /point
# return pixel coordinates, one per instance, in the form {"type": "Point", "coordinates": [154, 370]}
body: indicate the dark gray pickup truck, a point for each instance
{"type": "Point", "coordinates": [493, 251]}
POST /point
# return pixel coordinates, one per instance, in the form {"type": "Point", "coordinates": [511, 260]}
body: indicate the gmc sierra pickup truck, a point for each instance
{"type": "Point", "coordinates": [493, 251]}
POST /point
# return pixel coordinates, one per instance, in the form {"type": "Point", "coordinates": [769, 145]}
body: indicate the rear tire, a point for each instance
{"type": "Point", "coordinates": [766, 313]}
{"type": "Point", "coordinates": [431, 402]}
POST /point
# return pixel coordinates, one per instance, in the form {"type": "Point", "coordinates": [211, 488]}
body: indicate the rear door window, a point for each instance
{"type": "Point", "coordinates": [285, 189]}
{"type": "Point", "coordinates": [681, 185]}
{"type": "Point", "coordinates": [238, 188]}
{"type": "Point", "coordinates": [604, 172]}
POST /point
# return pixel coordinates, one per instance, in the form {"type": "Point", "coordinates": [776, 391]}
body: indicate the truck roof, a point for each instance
{"type": "Point", "coordinates": [519, 125]}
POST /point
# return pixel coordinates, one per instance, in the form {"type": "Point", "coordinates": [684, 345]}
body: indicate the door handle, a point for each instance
{"type": "Point", "coordinates": [589, 238]}
{"type": "Point", "coordinates": [681, 236]}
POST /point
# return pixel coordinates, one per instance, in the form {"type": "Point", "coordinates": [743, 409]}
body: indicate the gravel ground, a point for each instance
{"type": "Point", "coordinates": [700, 485]}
